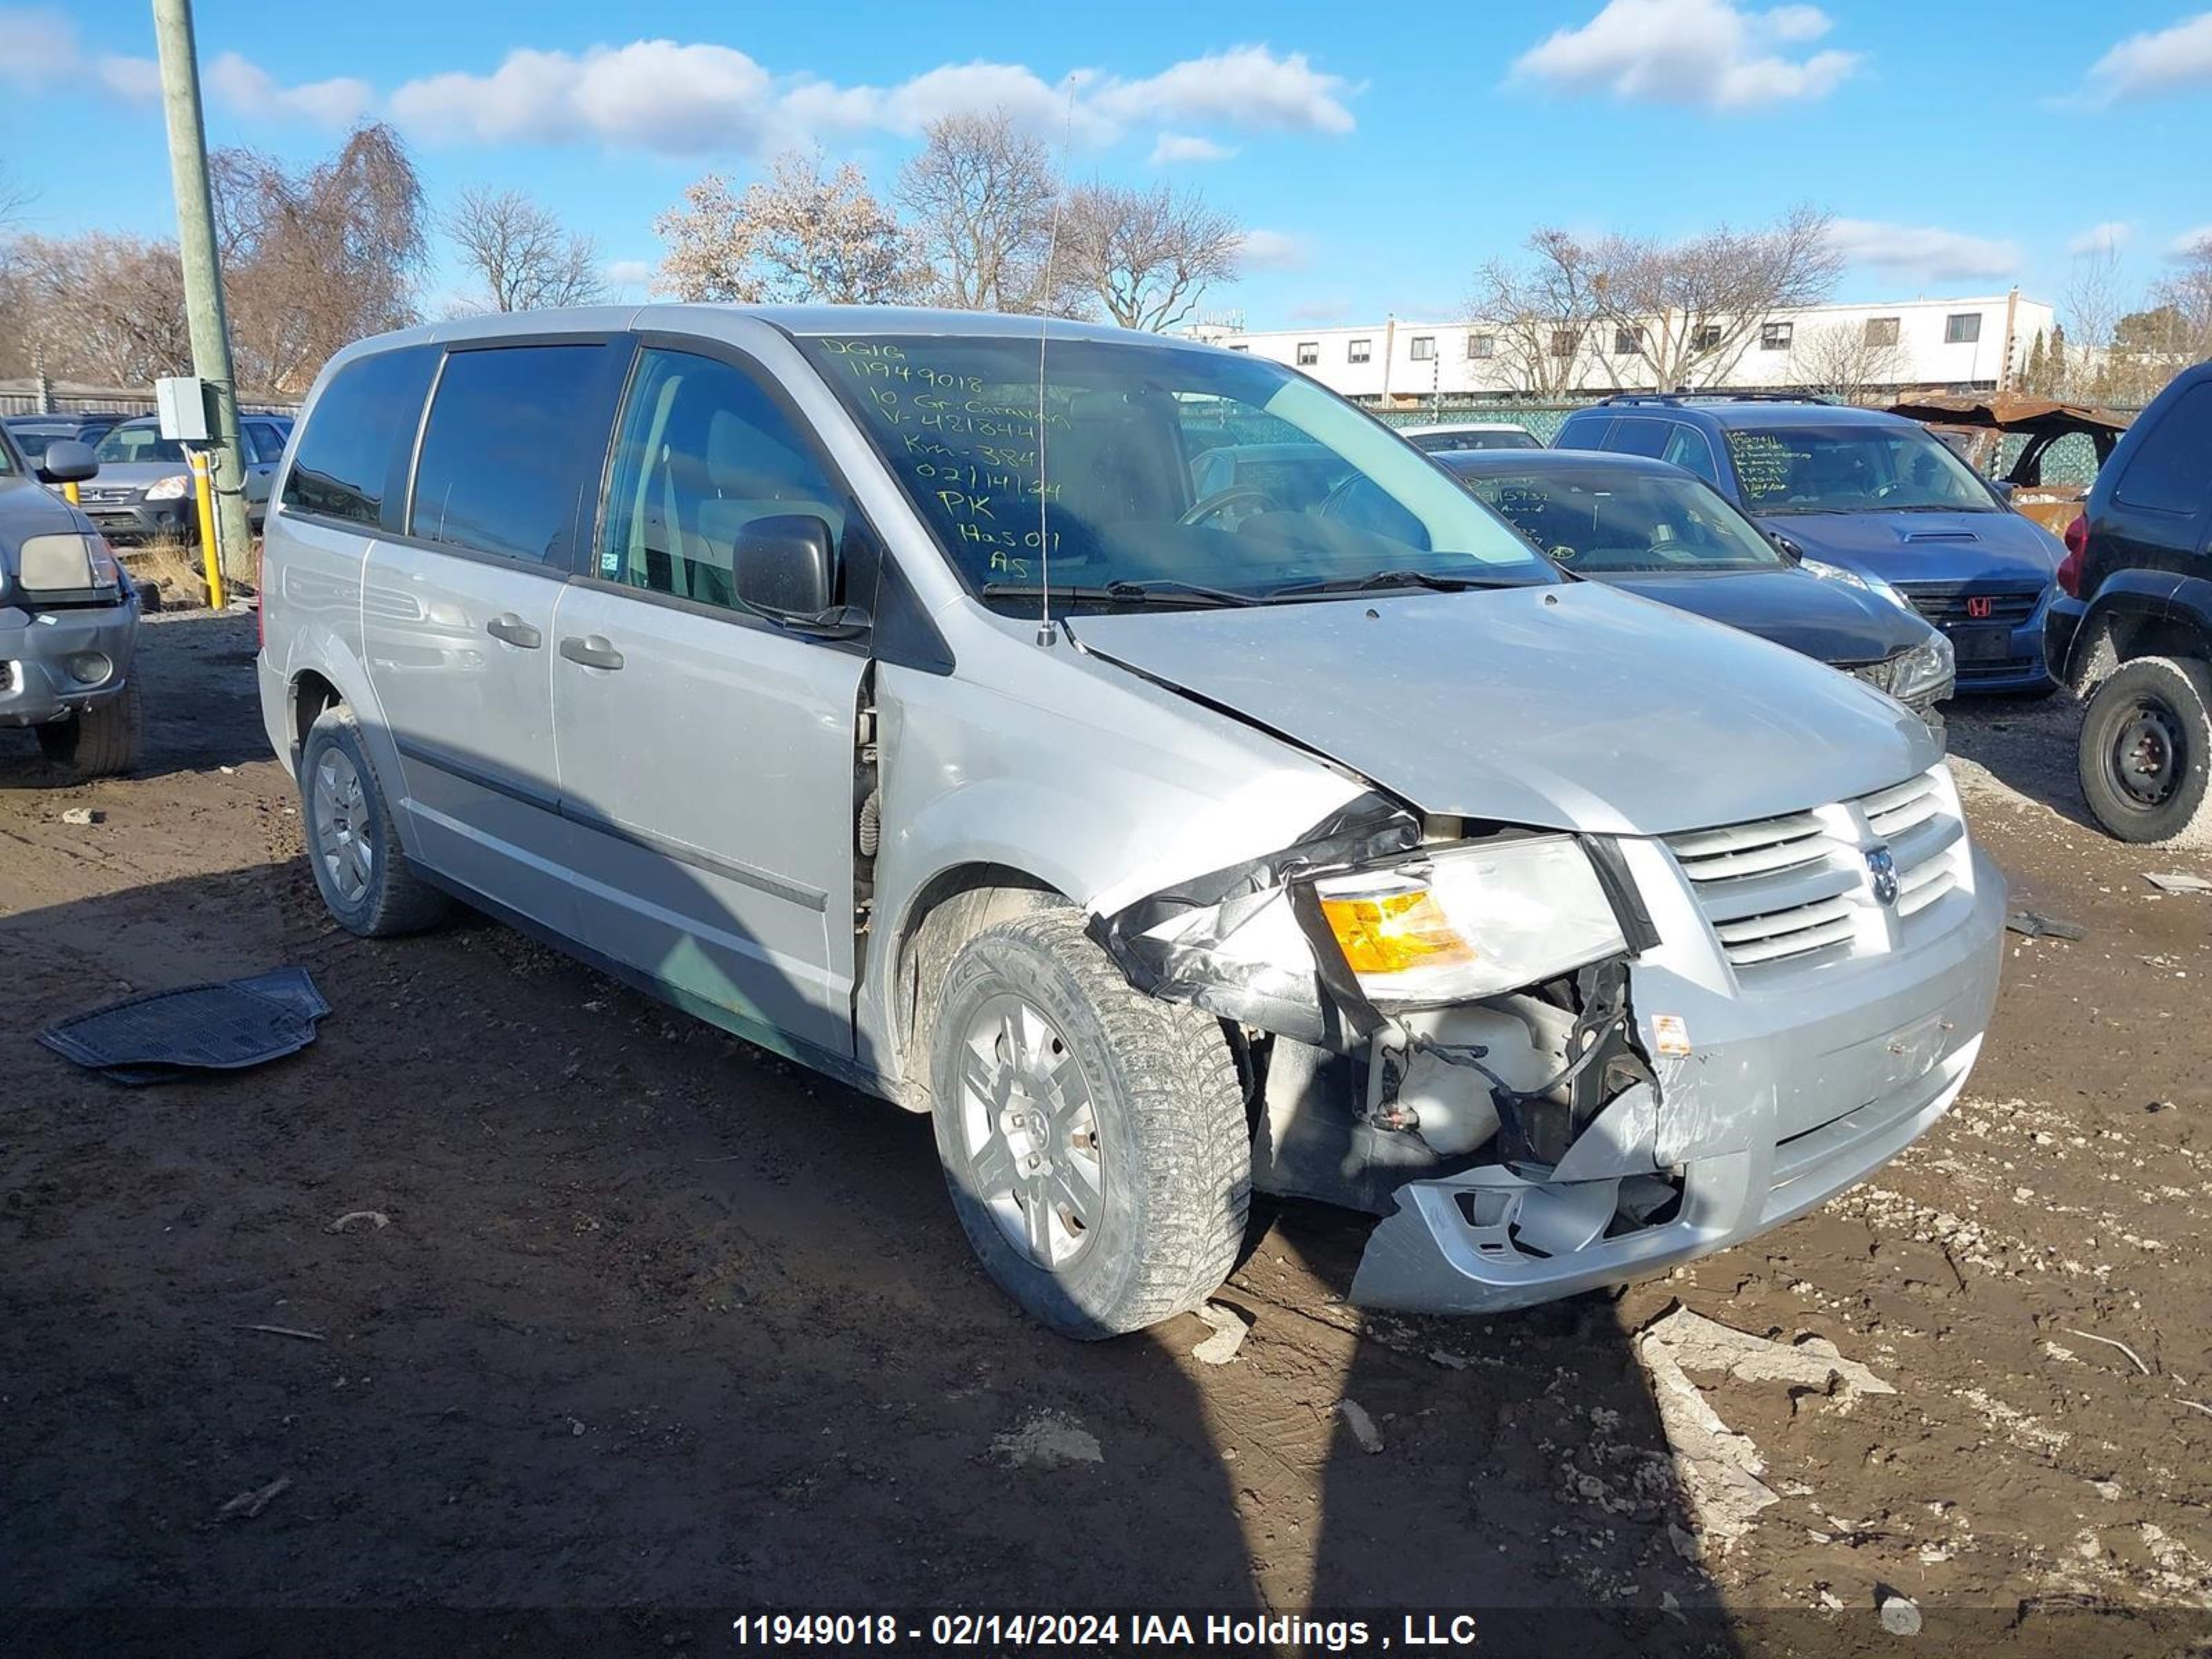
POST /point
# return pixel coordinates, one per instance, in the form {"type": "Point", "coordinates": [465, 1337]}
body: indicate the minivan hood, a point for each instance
{"type": "Point", "coordinates": [1830, 622]}
{"type": "Point", "coordinates": [1567, 707]}
{"type": "Point", "coordinates": [1928, 547]}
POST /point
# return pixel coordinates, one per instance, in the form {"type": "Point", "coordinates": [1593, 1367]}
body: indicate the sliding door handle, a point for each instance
{"type": "Point", "coordinates": [515, 631]}
{"type": "Point", "coordinates": [592, 651]}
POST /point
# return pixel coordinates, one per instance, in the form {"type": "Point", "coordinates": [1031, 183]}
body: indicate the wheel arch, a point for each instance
{"type": "Point", "coordinates": [2139, 621]}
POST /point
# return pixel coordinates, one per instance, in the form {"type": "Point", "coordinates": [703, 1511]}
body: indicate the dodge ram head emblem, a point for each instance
{"type": "Point", "coordinates": [1883, 868]}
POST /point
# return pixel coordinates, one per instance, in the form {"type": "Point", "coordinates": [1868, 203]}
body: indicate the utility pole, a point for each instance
{"type": "Point", "coordinates": [203, 307]}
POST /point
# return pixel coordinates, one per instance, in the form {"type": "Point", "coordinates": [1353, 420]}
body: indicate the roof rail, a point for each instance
{"type": "Point", "coordinates": [1680, 398]}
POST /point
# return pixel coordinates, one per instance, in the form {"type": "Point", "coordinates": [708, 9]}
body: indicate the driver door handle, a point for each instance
{"type": "Point", "coordinates": [592, 651]}
{"type": "Point", "coordinates": [515, 631]}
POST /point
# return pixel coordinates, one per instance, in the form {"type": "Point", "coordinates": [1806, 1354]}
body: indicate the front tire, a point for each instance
{"type": "Point", "coordinates": [352, 844]}
{"type": "Point", "coordinates": [2146, 752]}
{"type": "Point", "coordinates": [1094, 1140]}
{"type": "Point", "coordinates": [103, 741]}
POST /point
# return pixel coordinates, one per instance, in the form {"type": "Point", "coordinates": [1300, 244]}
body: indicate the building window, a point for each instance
{"type": "Point", "coordinates": [1881, 331]}
{"type": "Point", "coordinates": [1775, 337]}
{"type": "Point", "coordinates": [1706, 337]}
{"type": "Point", "coordinates": [1482, 345]}
{"type": "Point", "coordinates": [1628, 341]}
{"type": "Point", "coordinates": [1962, 328]}
{"type": "Point", "coordinates": [1425, 347]}
{"type": "Point", "coordinates": [1564, 341]}
{"type": "Point", "coordinates": [1359, 351]}
{"type": "Point", "coordinates": [1309, 353]}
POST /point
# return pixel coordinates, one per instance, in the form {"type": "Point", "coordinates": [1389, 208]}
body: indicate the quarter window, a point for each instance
{"type": "Point", "coordinates": [701, 453]}
{"type": "Point", "coordinates": [1359, 351]}
{"type": "Point", "coordinates": [2171, 460]}
{"type": "Point", "coordinates": [1309, 353]}
{"type": "Point", "coordinates": [1425, 347]}
{"type": "Point", "coordinates": [504, 468]}
{"type": "Point", "coordinates": [1962, 328]}
{"type": "Point", "coordinates": [1776, 337]}
{"type": "Point", "coordinates": [350, 463]}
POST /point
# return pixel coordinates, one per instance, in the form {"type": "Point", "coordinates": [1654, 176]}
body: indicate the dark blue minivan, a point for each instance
{"type": "Point", "coordinates": [1872, 494]}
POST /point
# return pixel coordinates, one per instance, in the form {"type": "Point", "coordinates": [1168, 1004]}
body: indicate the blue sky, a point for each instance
{"type": "Point", "coordinates": [1962, 144]}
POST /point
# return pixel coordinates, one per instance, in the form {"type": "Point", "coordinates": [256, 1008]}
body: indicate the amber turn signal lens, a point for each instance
{"type": "Point", "coordinates": [1393, 933]}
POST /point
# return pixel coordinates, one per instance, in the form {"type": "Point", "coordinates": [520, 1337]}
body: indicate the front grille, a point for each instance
{"type": "Point", "coordinates": [1799, 890]}
{"type": "Point", "coordinates": [105, 497]}
{"type": "Point", "coordinates": [1945, 604]}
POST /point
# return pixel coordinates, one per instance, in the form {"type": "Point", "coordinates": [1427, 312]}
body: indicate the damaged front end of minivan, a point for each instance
{"type": "Point", "coordinates": [1440, 1027]}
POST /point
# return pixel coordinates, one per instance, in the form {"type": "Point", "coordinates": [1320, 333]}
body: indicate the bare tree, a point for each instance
{"type": "Point", "coordinates": [315, 259]}
{"type": "Point", "coordinates": [1540, 315]}
{"type": "Point", "coordinates": [2092, 308]}
{"type": "Point", "coordinates": [1854, 361]}
{"type": "Point", "coordinates": [1147, 254]}
{"type": "Point", "coordinates": [15, 197]}
{"type": "Point", "coordinates": [1688, 309]}
{"type": "Point", "coordinates": [795, 236]}
{"type": "Point", "coordinates": [103, 307]}
{"type": "Point", "coordinates": [2187, 294]}
{"type": "Point", "coordinates": [980, 196]}
{"type": "Point", "coordinates": [519, 252]}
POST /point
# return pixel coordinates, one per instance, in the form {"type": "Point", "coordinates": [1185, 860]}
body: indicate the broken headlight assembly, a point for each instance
{"type": "Point", "coordinates": [1929, 669]}
{"type": "Point", "coordinates": [1470, 921]}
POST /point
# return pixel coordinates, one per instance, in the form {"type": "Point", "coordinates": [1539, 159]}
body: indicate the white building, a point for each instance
{"type": "Point", "coordinates": [1969, 344]}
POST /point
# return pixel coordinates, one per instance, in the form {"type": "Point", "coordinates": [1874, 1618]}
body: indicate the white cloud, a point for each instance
{"type": "Point", "coordinates": [1247, 87]}
{"type": "Point", "coordinates": [1924, 250]}
{"type": "Point", "coordinates": [1273, 249]}
{"type": "Point", "coordinates": [2109, 237]}
{"type": "Point", "coordinates": [689, 99]}
{"type": "Point", "coordinates": [40, 52]}
{"type": "Point", "coordinates": [2156, 61]}
{"type": "Point", "coordinates": [1187, 147]}
{"type": "Point", "coordinates": [2189, 243]}
{"type": "Point", "coordinates": [629, 273]}
{"type": "Point", "coordinates": [1703, 54]}
{"type": "Point", "coordinates": [251, 90]}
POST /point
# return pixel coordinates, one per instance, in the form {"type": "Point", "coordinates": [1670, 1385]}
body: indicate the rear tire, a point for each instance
{"type": "Point", "coordinates": [103, 741]}
{"type": "Point", "coordinates": [353, 846]}
{"type": "Point", "coordinates": [1094, 1140]}
{"type": "Point", "coordinates": [2146, 752]}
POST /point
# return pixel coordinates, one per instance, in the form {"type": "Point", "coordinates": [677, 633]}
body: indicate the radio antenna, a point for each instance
{"type": "Point", "coordinates": [1045, 298]}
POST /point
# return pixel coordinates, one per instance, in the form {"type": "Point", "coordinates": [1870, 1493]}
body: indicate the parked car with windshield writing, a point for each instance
{"type": "Point", "coordinates": [1657, 530]}
{"type": "Point", "coordinates": [894, 688]}
{"type": "Point", "coordinates": [1872, 494]}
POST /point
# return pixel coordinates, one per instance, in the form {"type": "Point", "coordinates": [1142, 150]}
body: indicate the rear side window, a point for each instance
{"type": "Point", "coordinates": [2172, 462]}
{"type": "Point", "coordinates": [352, 455]}
{"type": "Point", "coordinates": [1581, 433]}
{"type": "Point", "coordinates": [512, 449]}
{"type": "Point", "coordinates": [1634, 435]}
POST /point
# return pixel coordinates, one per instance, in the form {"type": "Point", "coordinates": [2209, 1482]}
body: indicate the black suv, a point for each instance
{"type": "Point", "coordinates": [2132, 628]}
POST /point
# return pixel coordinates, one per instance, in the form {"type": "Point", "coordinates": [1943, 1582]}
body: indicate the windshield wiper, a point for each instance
{"type": "Point", "coordinates": [1381, 579]}
{"type": "Point", "coordinates": [1164, 590]}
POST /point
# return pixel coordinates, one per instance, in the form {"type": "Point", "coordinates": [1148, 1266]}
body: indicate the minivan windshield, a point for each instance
{"type": "Point", "coordinates": [139, 443]}
{"type": "Point", "coordinates": [1201, 472]}
{"type": "Point", "coordinates": [1852, 469]}
{"type": "Point", "coordinates": [1599, 518]}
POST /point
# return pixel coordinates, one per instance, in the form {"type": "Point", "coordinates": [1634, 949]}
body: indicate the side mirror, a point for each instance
{"type": "Point", "coordinates": [786, 566]}
{"type": "Point", "coordinates": [2004, 488]}
{"type": "Point", "coordinates": [67, 461]}
{"type": "Point", "coordinates": [1788, 549]}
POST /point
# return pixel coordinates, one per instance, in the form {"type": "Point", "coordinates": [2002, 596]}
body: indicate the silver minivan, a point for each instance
{"type": "Point", "coordinates": [1138, 759]}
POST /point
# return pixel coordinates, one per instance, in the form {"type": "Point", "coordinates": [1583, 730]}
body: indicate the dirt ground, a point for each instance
{"type": "Point", "coordinates": [661, 1323]}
